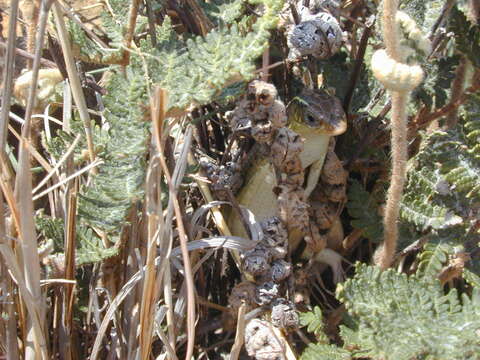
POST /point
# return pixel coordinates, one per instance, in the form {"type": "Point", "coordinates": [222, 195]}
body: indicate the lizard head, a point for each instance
{"type": "Point", "coordinates": [318, 111]}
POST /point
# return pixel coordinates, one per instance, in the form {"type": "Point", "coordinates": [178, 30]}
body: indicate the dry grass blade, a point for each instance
{"type": "Point", "coordinates": [37, 333]}
{"type": "Point", "coordinates": [154, 206]}
{"type": "Point", "coordinates": [240, 335]}
{"type": "Point", "coordinates": [69, 298]}
{"type": "Point", "coordinates": [74, 79]}
{"type": "Point", "coordinates": [66, 180]}
{"type": "Point", "coordinates": [35, 340]}
{"type": "Point", "coordinates": [9, 332]}
{"type": "Point", "coordinates": [59, 163]}
{"type": "Point", "coordinates": [183, 244]}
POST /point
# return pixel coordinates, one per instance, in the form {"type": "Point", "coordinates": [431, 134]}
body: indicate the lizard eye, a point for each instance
{"type": "Point", "coordinates": [310, 120]}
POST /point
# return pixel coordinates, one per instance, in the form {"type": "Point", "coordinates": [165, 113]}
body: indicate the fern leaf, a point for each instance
{"type": "Point", "coordinates": [363, 209]}
{"type": "Point", "coordinates": [432, 259]}
{"type": "Point", "coordinates": [195, 71]}
{"type": "Point", "coordinates": [313, 320]}
{"type": "Point", "coordinates": [105, 202]}
{"type": "Point", "coordinates": [325, 352]}
{"type": "Point", "coordinates": [402, 318]}
{"type": "Point", "coordinates": [422, 210]}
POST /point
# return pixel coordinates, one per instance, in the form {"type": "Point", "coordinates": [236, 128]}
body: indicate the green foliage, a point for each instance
{"type": "Point", "coordinates": [467, 35]}
{"type": "Point", "coordinates": [400, 317]}
{"type": "Point", "coordinates": [113, 24]}
{"type": "Point", "coordinates": [325, 352]}
{"type": "Point", "coordinates": [435, 89]}
{"type": "Point", "coordinates": [121, 142]}
{"type": "Point", "coordinates": [432, 259]}
{"type": "Point", "coordinates": [89, 247]}
{"type": "Point", "coordinates": [442, 191]}
{"type": "Point", "coordinates": [363, 208]}
{"type": "Point", "coordinates": [195, 71]}
{"type": "Point", "coordinates": [105, 202]}
{"type": "Point", "coordinates": [458, 164]}
{"type": "Point", "coordinates": [313, 320]}
{"type": "Point", "coordinates": [425, 211]}
{"type": "Point", "coordinates": [223, 11]}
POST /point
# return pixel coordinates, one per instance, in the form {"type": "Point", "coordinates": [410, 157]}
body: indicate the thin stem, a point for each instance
{"type": "Point", "coordinates": [399, 146]}
{"type": "Point", "coordinates": [74, 79]}
{"type": "Point", "coordinates": [397, 181]}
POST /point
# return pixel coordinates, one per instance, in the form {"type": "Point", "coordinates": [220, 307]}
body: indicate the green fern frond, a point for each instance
{"type": "Point", "coordinates": [364, 211]}
{"type": "Point", "coordinates": [458, 164]}
{"type": "Point", "coordinates": [195, 71]}
{"type": "Point", "coordinates": [89, 247]}
{"type": "Point", "coordinates": [471, 278]}
{"type": "Point", "coordinates": [422, 211]}
{"type": "Point", "coordinates": [432, 259]}
{"type": "Point", "coordinates": [223, 11]}
{"type": "Point", "coordinates": [119, 182]}
{"type": "Point", "coordinates": [467, 35]}
{"type": "Point", "coordinates": [313, 320]}
{"type": "Point", "coordinates": [402, 318]}
{"type": "Point", "coordinates": [471, 125]}
{"type": "Point", "coordinates": [325, 352]}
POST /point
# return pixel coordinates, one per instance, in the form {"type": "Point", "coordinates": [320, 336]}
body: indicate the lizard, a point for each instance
{"type": "Point", "coordinates": [316, 117]}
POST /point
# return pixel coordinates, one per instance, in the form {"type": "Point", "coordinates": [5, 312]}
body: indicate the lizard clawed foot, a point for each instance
{"type": "Point", "coordinates": [334, 260]}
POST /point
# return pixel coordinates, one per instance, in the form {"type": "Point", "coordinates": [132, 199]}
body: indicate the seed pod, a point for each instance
{"type": "Point", "coordinates": [243, 292]}
{"type": "Point", "coordinates": [322, 214]}
{"type": "Point", "coordinates": [336, 193]}
{"type": "Point", "coordinates": [332, 171]}
{"type": "Point", "coordinates": [256, 261]}
{"type": "Point", "coordinates": [293, 209]}
{"type": "Point", "coordinates": [262, 131]}
{"type": "Point", "coordinates": [284, 315]}
{"type": "Point", "coordinates": [286, 146]}
{"type": "Point", "coordinates": [280, 270]}
{"type": "Point", "coordinates": [318, 35]}
{"type": "Point", "coordinates": [263, 92]}
{"type": "Point", "coordinates": [261, 342]}
{"type": "Point", "coordinates": [316, 6]}
{"type": "Point", "coordinates": [277, 114]}
{"type": "Point", "coordinates": [275, 237]}
{"type": "Point", "coordinates": [266, 292]}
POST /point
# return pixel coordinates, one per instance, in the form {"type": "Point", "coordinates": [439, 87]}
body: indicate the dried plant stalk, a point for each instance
{"type": "Point", "coordinates": [74, 79]}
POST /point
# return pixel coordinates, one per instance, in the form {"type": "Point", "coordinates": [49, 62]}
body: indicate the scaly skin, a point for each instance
{"type": "Point", "coordinates": [316, 117]}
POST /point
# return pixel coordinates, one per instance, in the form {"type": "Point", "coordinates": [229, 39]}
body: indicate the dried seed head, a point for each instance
{"type": "Point", "coordinates": [261, 342]}
{"type": "Point", "coordinates": [266, 292]}
{"type": "Point", "coordinates": [286, 146]}
{"type": "Point", "coordinates": [293, 209]}
{"type": "Point", "coordinates": [284, 315]}
{"type": "Point", "coordinates": [256, 261]}
{"type": "Point", "coordinates": [262, 131]}
{"type": "Point", "coordinates": [323, 214]}
{"type": "Point", "coordinates": [228, 176]}
{"type": "Point", "coordinates": [315, 240]}
{"type": "Point", "coordinates": [318, 35]}
{"type": "Point", "coordinates": [239, 119]}
{"type": "Point", "coordinates": [277, 114]}
{"type": "Point", "coordinates": [243, 292]}
{"type": "Point", "coordinates": [336, 193]}
{"type": "Point", "coordinates": [316, 6]}
{"type": "Point", "coordinates": [274, 229]}
{"type": "Point", "coordinates": [293, 174]}
{"type": "Point", "coordinates": [275, 237]}
{"type": "Point", "coordinates": [263, 92]}
{"type": "Point", "coordinates": [333, 171]}
{"type": "Point", "coordinates": [280, 270]}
